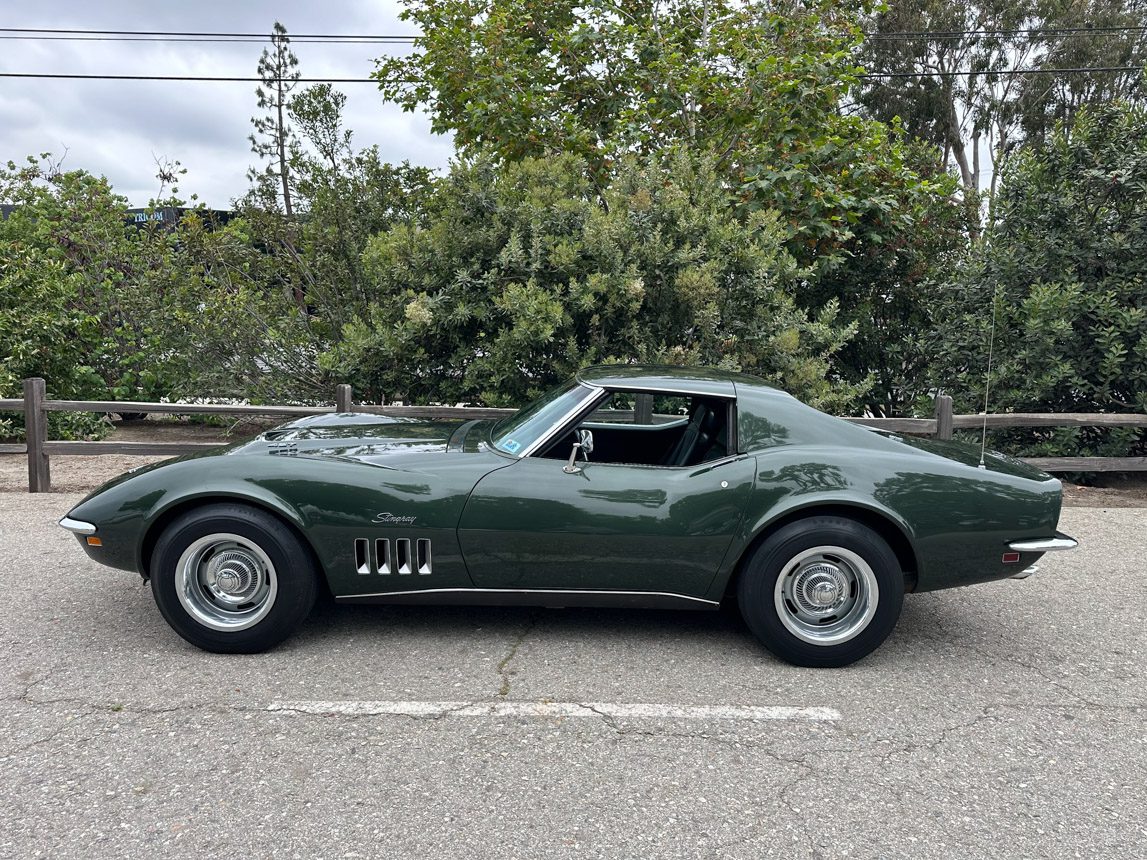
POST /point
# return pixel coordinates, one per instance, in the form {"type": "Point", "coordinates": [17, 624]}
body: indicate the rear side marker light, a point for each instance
{"type": "Point", "coordinates": [1011, 557]}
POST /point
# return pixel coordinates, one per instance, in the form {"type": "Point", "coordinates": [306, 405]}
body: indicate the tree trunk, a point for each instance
{"type": "Point", "coordinates": [281, 141]}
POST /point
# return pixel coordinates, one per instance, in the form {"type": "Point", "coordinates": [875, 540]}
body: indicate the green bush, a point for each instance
{"type": "Point", "coordinates": [526, 271]}
{"type": "Point", "coordinates": [1065, 269]}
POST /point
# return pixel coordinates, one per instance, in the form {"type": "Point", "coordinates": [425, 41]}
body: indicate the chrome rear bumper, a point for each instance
{"type": "Point", "coordinates": [1059, 542]}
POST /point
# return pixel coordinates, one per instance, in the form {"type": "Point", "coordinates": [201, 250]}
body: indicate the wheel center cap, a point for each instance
{"type": "Point", "coordinates": [228, 581]}
{"type": "Point", "coordinates": [823, 593]}
{"type": "Point", "coordinates": [234, 576]}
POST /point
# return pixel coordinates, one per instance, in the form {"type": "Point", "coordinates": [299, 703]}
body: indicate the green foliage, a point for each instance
{"type": "Point", "coordinates": [526, 271]}
{"type": "Point", "coordinates": [890, 289]}
{"type": "Point", "coordinates": [953, 85]}
{"type": "Point", "coordinates": [756, 84]}
{"type": "Point", "coordinates": [344, 197]}
{"type": "Point", "coordinates": [106, 310]}
{"type": "Point", "coordinates": [67, 264]}
{"type": "Point", "coordinates": [1065, 268]}
{"type": "Point", "coordinates": [273, 136]}
{"type": "Point", "coordinates": [757, 87]}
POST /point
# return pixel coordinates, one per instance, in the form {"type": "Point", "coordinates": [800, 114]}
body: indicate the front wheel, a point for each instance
{"type": "Point", "coordinates": [821, 592]}
{"type": "Point", "coordinates": [232, 579]}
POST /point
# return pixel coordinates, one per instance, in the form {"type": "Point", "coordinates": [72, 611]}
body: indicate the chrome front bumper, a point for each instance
{"type": "Point", "coordinates": [78, 527]}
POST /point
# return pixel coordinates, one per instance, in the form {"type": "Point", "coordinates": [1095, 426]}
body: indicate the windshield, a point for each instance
{"type": "Point", "coordinates": [516, 434]}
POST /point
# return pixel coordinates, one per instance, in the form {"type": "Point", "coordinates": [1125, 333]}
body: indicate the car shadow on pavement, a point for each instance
{"type": "Point", "coordinates": [919, 625]}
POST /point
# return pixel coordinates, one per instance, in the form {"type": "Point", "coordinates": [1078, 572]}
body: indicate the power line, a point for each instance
{"type": "Point", "coordinates": [189, 78]}
{"type": "Point", "coordinates": [29, 33]}
{"type": "Point", "coordinates": [255, 80]}
{"type": "Point", "coordinates": [1054, 31]}
{"type": "Point", "coordinates": [162, 35]}
{"type": "Point", "coordinates": [397, 40]}
{"type": "Point", "coordinates": [988, 73]}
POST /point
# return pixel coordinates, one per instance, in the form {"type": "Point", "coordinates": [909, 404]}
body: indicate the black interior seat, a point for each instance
{"type": "Point", "coordinates": [712, 440]}
{"type": "Point", "coordinates": [705, 438]}
{"type": "Point", "coordinates": [682, 452]}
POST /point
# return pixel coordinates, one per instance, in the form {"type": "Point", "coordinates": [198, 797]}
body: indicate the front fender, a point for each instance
{"type": "Point", "coordinates": [335, 504]}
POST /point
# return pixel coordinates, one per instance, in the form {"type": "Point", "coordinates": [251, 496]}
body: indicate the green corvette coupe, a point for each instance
{"type": "Point", "coordinates": [628, 486]}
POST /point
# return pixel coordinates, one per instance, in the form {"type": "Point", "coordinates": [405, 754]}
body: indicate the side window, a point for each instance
{"type": "Point", "coordinates": [651, 429]}
{"type": "Point", "coordinates": [632, 407]}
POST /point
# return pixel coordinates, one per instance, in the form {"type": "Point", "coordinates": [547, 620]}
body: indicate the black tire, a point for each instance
{"type": "Point", "coordinates": [799, 576]}
{"type": "Point", "coordinates": [209, 560]}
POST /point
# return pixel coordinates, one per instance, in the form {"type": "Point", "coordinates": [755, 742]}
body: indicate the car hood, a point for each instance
{"type": "Point", "coordinates": [348, 428]}
{"type": "Point", "coordinates": [373, 439]}
{"type": "Point", "coordinates": [390, 443]}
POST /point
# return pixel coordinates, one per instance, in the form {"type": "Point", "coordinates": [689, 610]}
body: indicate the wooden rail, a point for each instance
{"type": "Point", "coordinates": [38, 448]}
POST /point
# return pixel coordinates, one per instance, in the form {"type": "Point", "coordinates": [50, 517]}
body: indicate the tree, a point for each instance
{"type": "Point", "coordinates": [524, 271]}
{"type": "Point", "coordinates": [279, 70]}
{"type": "Point", "coordinates": [951, 71]}
{"type": "Point", "coordinates": [1064, 273]}
{"type": "Point", "coordinates": [1115, 38]}
{"type": "Point", "coordinates": [106, 309]}
{"type": "Point", "coordinates": [755, 84]}
{"type": "Point", "coordinates": [342, 196]}
{"type": "Point", "coordinates": [957, 91]}
{"type": "Point", "coordinates": [86, 300]}
{"type": "Point", "coordinates": [890, 290]}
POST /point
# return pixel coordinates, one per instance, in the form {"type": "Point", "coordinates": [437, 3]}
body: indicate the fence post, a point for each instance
{"type": "Point", "coordinates": [643, 409]}
{"type": "Point", "coordinates": [343, 398]}
{"type": "Point", "coordinates": [943, 417]}
{"type": "Point", "coordinates": [35, 433]}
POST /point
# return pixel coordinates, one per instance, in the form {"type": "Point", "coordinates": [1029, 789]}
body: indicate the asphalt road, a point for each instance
{"type": "Point", "coordinates": [1005, 720]}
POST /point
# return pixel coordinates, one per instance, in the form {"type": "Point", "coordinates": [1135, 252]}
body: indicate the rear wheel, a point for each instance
{"type": "Point", "coordinates": [822, 592]}
{"type": "Point", "coordinates": [232, 579]}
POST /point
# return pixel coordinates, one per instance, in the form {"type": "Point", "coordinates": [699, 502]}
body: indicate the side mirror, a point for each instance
{"type": "Point", "coordinates": [584, 444]}
{"type": "Point", "coordinates": [585, 439]}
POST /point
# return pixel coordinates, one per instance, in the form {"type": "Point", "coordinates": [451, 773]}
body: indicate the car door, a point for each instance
{"type": "Point", "coordinates": [615, 527]}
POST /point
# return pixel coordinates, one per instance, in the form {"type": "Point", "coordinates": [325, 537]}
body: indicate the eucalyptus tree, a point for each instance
{"type": "Point", "coordinates": [978, 77]}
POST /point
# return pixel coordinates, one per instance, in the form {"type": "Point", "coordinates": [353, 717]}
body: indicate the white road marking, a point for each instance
{"type": "Point", "coordinates": [613, 710]}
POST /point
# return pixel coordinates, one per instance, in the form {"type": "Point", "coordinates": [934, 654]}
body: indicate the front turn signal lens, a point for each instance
{"type": "Point", "coordinates": [94, 541]}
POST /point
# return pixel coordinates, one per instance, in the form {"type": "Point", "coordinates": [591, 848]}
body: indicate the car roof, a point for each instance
{"type": "Point", "coordinates": [656, 377]}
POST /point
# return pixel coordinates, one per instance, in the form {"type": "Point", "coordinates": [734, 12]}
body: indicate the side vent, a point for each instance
{"type": "Point", "coordinates": [409, 555]}
{"type": "Point", "coordinates": [403, 561]}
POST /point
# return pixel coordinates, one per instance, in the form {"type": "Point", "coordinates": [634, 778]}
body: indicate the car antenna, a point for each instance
{"type": "Point", "coordinates": [988, 385]}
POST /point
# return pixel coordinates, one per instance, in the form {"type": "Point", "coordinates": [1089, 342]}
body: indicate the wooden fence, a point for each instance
{"type": "Point", "coordinates": [35, 405]}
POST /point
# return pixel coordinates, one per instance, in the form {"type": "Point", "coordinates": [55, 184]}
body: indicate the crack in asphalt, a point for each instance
{"type": "Point", "coordinates": [911, 748]}
{"type": "Point", "coordinates": [995, 658]}
{"type": "Point", "coordinates": [70, 722]}
{"type": "Point", "coordinates": [503, 669]}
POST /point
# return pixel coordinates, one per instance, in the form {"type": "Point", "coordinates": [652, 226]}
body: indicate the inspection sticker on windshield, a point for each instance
{"type": "Point", "coordinates": [511, 447]}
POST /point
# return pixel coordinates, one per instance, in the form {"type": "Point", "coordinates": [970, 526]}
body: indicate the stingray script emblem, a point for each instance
{"type": "Point", "coordinates": [386, 518]}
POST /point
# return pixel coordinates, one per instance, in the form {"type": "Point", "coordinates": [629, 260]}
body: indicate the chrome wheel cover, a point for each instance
{"type": "Point", "coordinates": [826, 595]}
{"type": "Point", "coordinates": [226, 582]}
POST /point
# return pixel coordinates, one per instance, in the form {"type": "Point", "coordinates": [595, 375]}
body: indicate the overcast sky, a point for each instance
{"type": "Point", "coordinates": [118, 128]}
